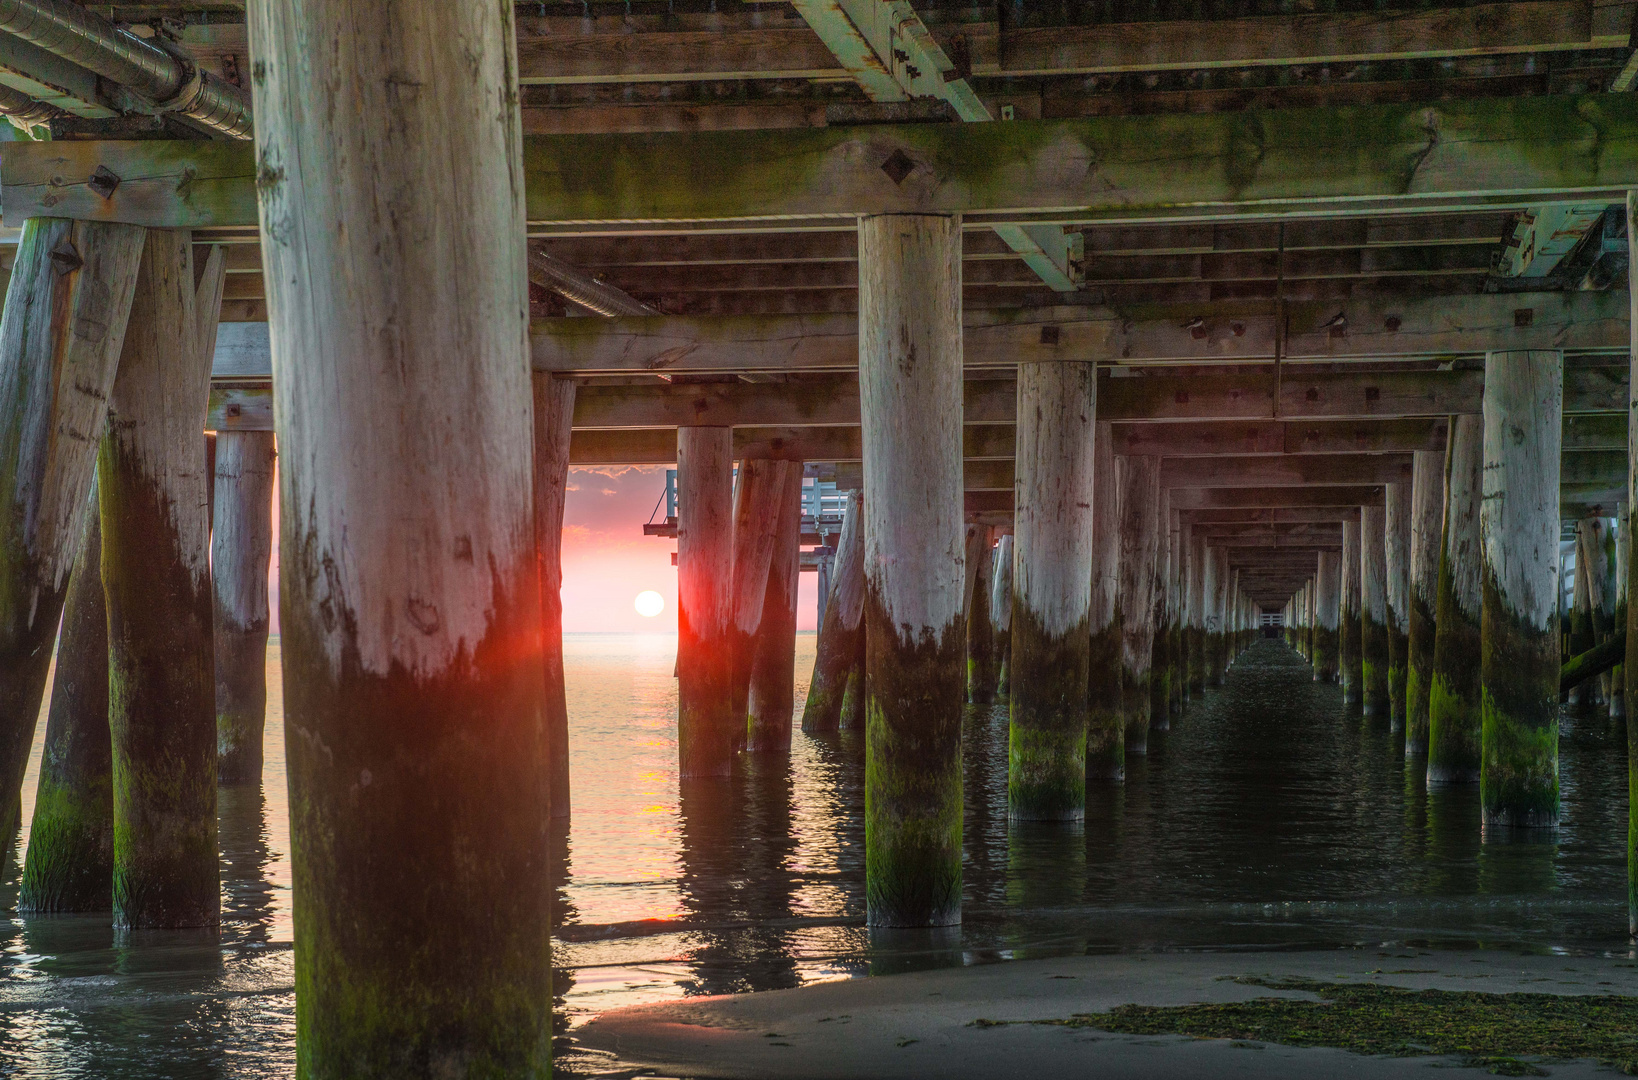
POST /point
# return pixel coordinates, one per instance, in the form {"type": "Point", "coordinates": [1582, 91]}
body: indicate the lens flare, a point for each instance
{"type": "Point", "coordinates": [649, 604]}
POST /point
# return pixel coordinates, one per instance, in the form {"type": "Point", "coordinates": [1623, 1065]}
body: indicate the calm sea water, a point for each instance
{"type": "Point", "coordinates": [1269, 817]}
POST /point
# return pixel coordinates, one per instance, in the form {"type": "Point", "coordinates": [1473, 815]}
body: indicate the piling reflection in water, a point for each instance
{"type": "Point", "coordinates": [1269, 815]}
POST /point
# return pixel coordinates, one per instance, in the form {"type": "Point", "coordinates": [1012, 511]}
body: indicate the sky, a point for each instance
{"type": "Point", "coordinates": [607, 560]}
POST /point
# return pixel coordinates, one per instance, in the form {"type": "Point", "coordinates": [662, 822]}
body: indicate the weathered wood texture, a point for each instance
{"type": "Point", "coordinates": [1063, 570]}
{"type": "Point", "coordinates": [981, 661]}
{"type": "Point", "coordinates": [1350, 642]}
{"type": "Point", "coordinates": [60, 340]}
{"type": "Point", "coordinates": [706, 721]}
{"type": "Point", "coordinates": [759, 497]}
{"type": "Point", "coordinates": [1327, 614]}
{"type": "Point", "coordinates": [1518, 528]}
{"type": "Point", "coordinates": [842, 627]}
{"type": "Point", "coordinates": [1442, 153]}
{"type": "Point", "coordinates": [152, 487]}
{"type": "Point", "coordinates": [1426, 526]}
{"type": "Point", "coordinates": [1455, 714]}
{"type": "Point", "coordinates": [1629, 523]}
{"type": "Point", "coordinates": [241, 549]}
{"type": "Point", "coordinates": [553, 419]}
{"type": "Point", "coordinates": [1001, 613]}
{"type": "Point", "coordinates": [771, 702]}
{"type": "Point", "coordinates": [70, 862]}
{"type": "Point", "coordinates": [910, 397]}
{"type": "Point", "coordinates": [391, 201]}
{"type": "Point", "coordinates": [1163, 609]}
{"type": "Point", "coordinates": [1138, 479]}
{"type": "Point", "coordinates": [1397, 534]}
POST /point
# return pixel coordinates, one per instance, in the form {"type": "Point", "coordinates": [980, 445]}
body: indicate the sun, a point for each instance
{"type": "Point", "coordinates": [649, 604]}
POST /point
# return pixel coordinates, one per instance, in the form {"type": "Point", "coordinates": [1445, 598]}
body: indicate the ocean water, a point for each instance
{"type": "Point", "coordinates": [1269, 817]}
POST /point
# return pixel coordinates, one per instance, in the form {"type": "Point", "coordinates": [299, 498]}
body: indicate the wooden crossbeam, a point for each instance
{"type": "Point", "coordinates": [1294, 470]}
{"type": "Point", "coordinates": [1271, 515]}
{"type": "Point", "coordinates": [1433, 155]}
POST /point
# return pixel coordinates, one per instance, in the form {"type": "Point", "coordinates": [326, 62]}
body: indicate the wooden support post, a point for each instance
{"type": "Point", "coordinates": [1001, 615]}
{"type": "Point", "coordinates": [1211, 637]}
{"type": "Point", "coordinates": [1373, 584]}
{"type": "Point", "coordinates": [1160, 664]}
{"type": "Point", "coordinates": [842, 629]}
{"type": "Point", "coordinates": [1455, 718]}
{"type": "Point", "coordinates": [1349, 644]}
{"type": "Point", "coordinates": [1519, 526]}
{"type": "Point", "coordinates": [1628, 526]}
{"type": "Point", "coordinates": [393, 237]}
{"type": "Point", "coordinates": [707, 726]}
{"type": "Point", "coordinates": [1106, 746]}
{"type": "Point", "coordinates": [1179, 593]}
{"type": "Point", "coordinates": [1141, 525]}
{"type": "Point", "coordinates": [241, 549]}
{"type": "Point", "coordinates": [60, 340]}
{"type": "Point", "coordinates": [1623, 552]}
{"type": "Point", "coordinates": [981, 666]}
{"type": "Point", "coordinates": [1595, 550]}
{"type": "Point", "coordinates": [772, 702]}
{"type": "Point", "coordinates": [70, 861]}
{"type": "Point", "coordinates": [1581, 636]}
{"type": "Point", "coordinates": [1064, 620]}
{"type": "Point", "coordinates": [1397, 535]}
{"type": "Point", "coordinates": [156, 577]}
{"type": "Point", "coordinates": [910, 399]}
{"type": "Point", "coordinates": [759, 499]}
{"type": "Point", "coordinates": [554, 419]}
{"type": "Point", "coordinates": [1327, 613]}
{"type": "Point", "coordinates": [1427, 514]}
{"type": "Point", "coordinates": [1218, 599]}
{"type": "Point", "coordinates": [1196, 606]}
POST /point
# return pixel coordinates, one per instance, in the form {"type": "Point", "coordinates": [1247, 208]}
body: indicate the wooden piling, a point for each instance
{"type": "Point", "coordinates": [707, 725]}
{"type": "Point", "coordinates": [842, 630]}
{"type": "Point", "coordinates": [772, 701]}
{"type": "Point", "coordinates": [1001, 615]}
{"type": "Point", "coordinates": [393, 240]}
{"type": "Point", "coordinates": [1581, 636]}
{"type": "Point", "coordinates": [1197, 611]}
{"type": "Point", "coordinates": [69, 866]}
{"type": "Point", "coordinates": [1178, 645]}
{"type": "Point", "coordinates": [1138, 480]}
{"type": "Point", "coordinates": [1623, 552]}
{"type": "Point", "coordinates": [241, 549]}
{"type": "Point", "coordinates": [60, 339]}
{"type": "Point", "coordinates": [1427, 514]}
{"type": "Point", "coordinates": [156, 578]}
{"type": "Point", "coordinates": [1595, 550]}
{"type": "Point", "coordinates": [1160, 664]}
{"type": "Point", "coordinates": [1630, 620]}
{"type": "Point", "coordinates": [981, 668]}
{"type": "Point", "coordinates": [1373, 584]}
{"type": "Point", "coordinates": [1519, 527]}
{"type": "Point", "coordinates": [1065, 630]}
{"type": "Point", "coordinates": [759, 499]}
{"type": "Point", "coordinates": [1349, 643]}
{"type": "Point", "coordinates": [1327, 614]}
{"type": "Point", "coordinates": [1397, 536]}
{"type": "Point", "coordinates": [554, 419]}
{"type": "Point", "coordinates": [910, 388]}
{"type": "Point", "coordinates": [1455, 716]}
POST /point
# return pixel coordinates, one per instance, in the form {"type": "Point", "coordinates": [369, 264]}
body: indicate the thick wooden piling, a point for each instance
{"type": "Point", "coordinates": [1178, 645]}
{"type": "Point", "coordinates": [842, 629]}
{"type": "Point", "coordinates": [1455, 714]}
{"type": "Point", "coordinates": [1105, 728]}
{"type": "Point", "coordinates": [1581, 636]}
{"type": "Point", "coordinates": [1160, 664]}
{"type": "Point", "coordinates": [1001, 615]}
{"type": "Point", "coordinates": [1373, 613]}
{"type": "Point", "coordinates": [1327, 613]}
{"type": "Point", "coordinates": [1197, 612]}
{"type": "Point", "coordinates": [1427, 523]}
{"type": "Point", "coordinates": [1623, 553]}
{"type": "Point", "coordinates": [981, 669]}
{"type": "Point", "coordinates": [241, 549]}
{"type": "Point", "coordinates": [772, 702]}
{"type": "Point", "coordinates": [759, 499]}
{"type": "Point", "coordinates": [1348, 646]}
{"type": "Point", "coordinates": [1596, 551]}
{"type": "Point", "coordinates": [1397, 535]}
{"type": "Point", "coordinates": [1518, 522]}
{"type": "Point", "coordinates": [554, 418]}
{"type": "Point", "coordinates": [1064, 568]}
{"type": "Point", "coordinates": [393, 240]}
{"type": "Point", "coordinates": [1141, 526]}
{"type": "Point", "coordinates": [707, 725]}
{"type": "Point", "coordinates": [910, 387]}
{"type": "Point", "coordinates": [156, 578]}
{"type": "Point", "coordinates": [60, 339]}
{"type": "Point", "coordinates": [1630, 621]}
{"type": "Point", "coordinates": [70, 861]}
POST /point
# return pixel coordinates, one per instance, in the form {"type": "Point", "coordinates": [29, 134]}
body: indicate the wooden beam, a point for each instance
{"type": "Point", "coordinates": [1210, 439]}
{"type": "Point", "coordinates": [1431, 155]}
{"type": "Point", "coordinates": [1295, 470]}
{"type": "Point", "coordinates": [1229, 498]}
{"type": "Point", "coordinates": [1271, 515]}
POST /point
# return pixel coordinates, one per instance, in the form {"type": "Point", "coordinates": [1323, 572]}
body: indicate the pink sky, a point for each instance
{"type": "Point", "coordinates": [607, 560]}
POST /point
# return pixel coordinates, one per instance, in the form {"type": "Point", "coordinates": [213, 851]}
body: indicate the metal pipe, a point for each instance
{"type": "Point", "coordinates": [575, 284]}
{"type": "Point", "coordinates": [19, 106]}
{"type": "Point", "coordinates": [170, 82]}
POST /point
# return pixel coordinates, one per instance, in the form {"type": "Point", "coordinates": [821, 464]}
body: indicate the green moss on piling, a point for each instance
{"type": "Point", "coordinates": [1136, 706]}
{"type": "Point", "coordinates": [1519, 781]}
{"type": "Point", "coordinates": [1351, 657]}
{"type": "Point", "coordinates": [1325, 654]}
{"type": "Point", "coordinates": [913, 773]}
{"type": "Point", "coordinates": [1160, 679]}
{"type": "Point", "coordinates": [1103, 719]}
{"type": "Point", "coordinates": [1493, 1031]}
{"type": "Point", "coordinates": [1374, 666]}
{"type": "Point", "coordinates": [1398, 676]}
{"type": "Point", "coordinates": [1053, 730]}
{"type": "Point", "coordinates": [1455, 712]}
{"type": "Point", "coordinates": [1418, 676]}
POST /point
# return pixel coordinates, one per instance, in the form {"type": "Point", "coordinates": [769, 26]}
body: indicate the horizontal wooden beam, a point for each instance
{"type": "Point", "coordinates": [1234, 498]}
{"type": "Point", "coordinates": [1432, 155]}
{"type": "Point", "coordinates": [1293, 470]}
{"type": "Point", "coordinates": [1270, 515]}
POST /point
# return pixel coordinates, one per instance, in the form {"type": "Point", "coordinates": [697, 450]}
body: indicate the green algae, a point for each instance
{"type": "Point", "coordinates": [1494, 1031]}
{"type": "Point", "coordinates": [1419, 676]}
{"type": "Point", "coordinates": [1374, 666]}
{"type": "Point", "coordinates": [1053, 729]}
{"type": "Point", "coordinates": [1518, 782]}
